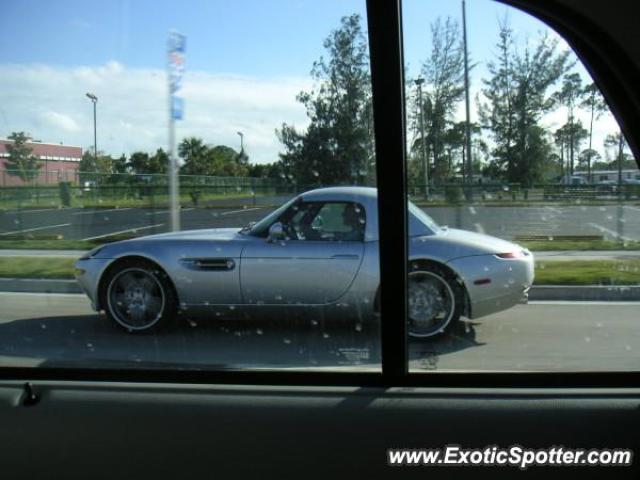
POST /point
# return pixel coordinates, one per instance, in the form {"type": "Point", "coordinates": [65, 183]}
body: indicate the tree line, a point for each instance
{"type": "Point", "coordinates": [509, 142]}
{"type": "Point", "coordinates": [197, 158]}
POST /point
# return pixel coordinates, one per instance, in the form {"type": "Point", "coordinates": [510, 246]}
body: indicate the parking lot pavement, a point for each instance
{"type": "Point", "coordinates": [61, 330]}
{"type": "Point", "coordinates": [92, 224]}
{"type": "Point", "coordinates": [611, 222]}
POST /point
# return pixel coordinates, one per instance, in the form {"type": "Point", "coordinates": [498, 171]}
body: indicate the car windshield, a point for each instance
{"type": "Point", "coordinates": [422, 218]}
{"type": "Point", "coordinates": [263, 225]}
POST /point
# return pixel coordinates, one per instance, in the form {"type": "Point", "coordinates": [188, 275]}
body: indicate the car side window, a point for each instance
{"type": "Point", "coordinates": [331, 221]}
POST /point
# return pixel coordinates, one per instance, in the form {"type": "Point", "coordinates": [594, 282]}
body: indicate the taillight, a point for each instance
{"type": "Point", "coordinates": [510, 255]}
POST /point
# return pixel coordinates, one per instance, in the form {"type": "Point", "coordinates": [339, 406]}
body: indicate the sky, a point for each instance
{"type": "Point", "coordinates": [246, 60]}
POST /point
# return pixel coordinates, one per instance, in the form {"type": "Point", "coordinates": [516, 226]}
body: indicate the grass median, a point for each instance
{"type": "Point", "coordinates": [36, 267]}
{"type": "Point", "coordinates": [551, 272]}
{"type": "Point", "coordinates": [534, 246]}
{"type": "Point", "coordinates": [588, 272]}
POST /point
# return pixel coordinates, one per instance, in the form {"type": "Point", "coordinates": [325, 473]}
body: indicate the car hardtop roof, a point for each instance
{"type": "Point", "coordinates": [339, 193]}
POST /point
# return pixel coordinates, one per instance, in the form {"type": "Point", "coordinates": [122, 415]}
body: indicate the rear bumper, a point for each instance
{"type": "Point", "coordinates": [483, 308]}
{"type": "Point", "coordinates": [494, 284]}
{"type": "Point", "coordinates": [88, 273]}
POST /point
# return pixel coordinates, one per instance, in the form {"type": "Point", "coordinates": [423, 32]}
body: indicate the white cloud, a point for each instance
{"type": "Point", "coordinates": [60, 121]}
{"type": "Point", "coordinates": [132, 114]}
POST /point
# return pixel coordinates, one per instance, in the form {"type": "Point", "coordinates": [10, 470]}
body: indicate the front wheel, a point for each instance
{"type": "Point", "coordinates": [138, 296]}
{"type": "Point", "coordinates": [434, 301]}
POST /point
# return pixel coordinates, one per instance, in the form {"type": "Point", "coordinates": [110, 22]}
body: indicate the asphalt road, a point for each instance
{"type": "Point", "coordinates": [62, 331]}
{"type": "Point", "coordinates": [611, 222]}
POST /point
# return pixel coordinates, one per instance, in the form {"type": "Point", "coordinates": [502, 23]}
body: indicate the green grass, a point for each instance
{"type": "Point", "coordinates": [536, 246]}
{"type": "Point", "coordinates": [522, 203]}
{"type": "Point", "coordinates": [553, 272]}
{"type": "Point", "coordinates": [46, 244]}
{"type": "Point", "coordinates": [36, 267]}
{"type": "Point", "coordinates": [587, 272]}
{"type": "Point", "coordinates": [579, 245]}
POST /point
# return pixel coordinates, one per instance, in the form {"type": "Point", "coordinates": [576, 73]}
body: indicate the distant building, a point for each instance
{"type": "Point", "coordinates": [58, 163]}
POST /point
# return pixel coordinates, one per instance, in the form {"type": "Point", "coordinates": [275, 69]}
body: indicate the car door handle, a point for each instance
{"type": "Point", "coordinates": [345, 256]}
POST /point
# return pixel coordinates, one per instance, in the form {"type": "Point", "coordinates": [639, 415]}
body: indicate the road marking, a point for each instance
{"type": "Point", "coordinates": [553, 209]}
{"type": "Point", "coordinates": [34, 229]}
{"type": "Point", "coordinates": [104, 211]}
{"type": "Point", "coordinates": [472, 210]}
{"type": "Point", "coordinates": [15, 212]}
{"type": "Point", "coordinates": [478, 228]}
{"type": "Point", "coordinates": [132, 230]}
{"type": "Point", "coordinates": [240, 211]}
{"type": "Point", "coordinates": [167, 211]}
{"type": "Point", "coordinates": [609, 231]}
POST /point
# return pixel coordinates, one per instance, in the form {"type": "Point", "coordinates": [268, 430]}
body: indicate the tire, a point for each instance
{"type": "Point", "coordinates": [435, 301]}
{"type": "Point", "coordinates": [138, 296]}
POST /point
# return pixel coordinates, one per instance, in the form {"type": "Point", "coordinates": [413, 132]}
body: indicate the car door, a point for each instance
{"type": "Point", "coordinates": [314, 265]}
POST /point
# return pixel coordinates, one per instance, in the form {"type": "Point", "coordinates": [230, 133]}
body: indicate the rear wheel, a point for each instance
{"type": "Point", "coordinates": [138, 296]}
{"type": "Point", "coordinates": [434, 301]}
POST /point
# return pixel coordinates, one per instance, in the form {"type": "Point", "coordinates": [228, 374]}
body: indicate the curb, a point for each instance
{"type": "Point", "coordinates": [589, 293]}
{"type": "Point", "coordinates": [39, 285]}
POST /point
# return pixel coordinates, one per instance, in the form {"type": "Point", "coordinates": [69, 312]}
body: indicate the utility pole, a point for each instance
{"type": "Point", "coordinates": [593, 94]}
{"type": "Point", "coordinates": [620, 155]}
{"type": "Point", "coordinates": [425, 162]}
{"type": "Point", "coordinates": [469, 169]}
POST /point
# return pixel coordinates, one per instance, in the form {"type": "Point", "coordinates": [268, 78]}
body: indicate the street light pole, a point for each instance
{"type": "Point", "coordinates": [425, 162]}
{"type": "Point", "coordinates": [241, 141]}
{"type": "Point", "coordinates": [94, 100]}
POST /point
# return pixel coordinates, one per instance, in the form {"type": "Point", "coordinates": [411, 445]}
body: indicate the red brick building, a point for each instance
{"type": "Point", "coordinates": [58, 163]}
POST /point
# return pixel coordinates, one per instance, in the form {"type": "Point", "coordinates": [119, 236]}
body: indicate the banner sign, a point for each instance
{"type": "Point", "coordinates": [177, 43]}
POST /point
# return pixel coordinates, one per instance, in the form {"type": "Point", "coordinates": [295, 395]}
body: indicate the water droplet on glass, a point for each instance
{"type": "Point", "coordinates": [259, 331]}
{"type": "Point", "coordinates": [287, 341]}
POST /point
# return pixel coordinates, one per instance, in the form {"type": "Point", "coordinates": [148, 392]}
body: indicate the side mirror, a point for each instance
{"type": "Point", "coordinates": [276, 232]}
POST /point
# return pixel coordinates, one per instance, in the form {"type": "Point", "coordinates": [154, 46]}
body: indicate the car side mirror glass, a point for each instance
{"type": "Point", "coordinates": [276, 232]}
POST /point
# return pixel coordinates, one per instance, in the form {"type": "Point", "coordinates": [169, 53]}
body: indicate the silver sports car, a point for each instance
{"type": "Point", "coordinates": [319, 252]}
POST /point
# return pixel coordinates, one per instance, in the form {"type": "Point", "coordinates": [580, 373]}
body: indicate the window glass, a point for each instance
{"type": "Point", "coordinates": [332, 221]}
{"type": "Point", "coordinates": [155, 168]}
{"type": "Point", "coordinates": [513, 152]}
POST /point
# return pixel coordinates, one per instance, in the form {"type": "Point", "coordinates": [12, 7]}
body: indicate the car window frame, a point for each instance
{"type": "Point", "coordinates": [600, 55]}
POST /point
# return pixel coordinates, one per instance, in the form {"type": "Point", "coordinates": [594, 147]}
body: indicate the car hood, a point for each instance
{"type": "Point", "coordinates": [450, 243]}
{"type": "Point", "coordinates": [200, 234]}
